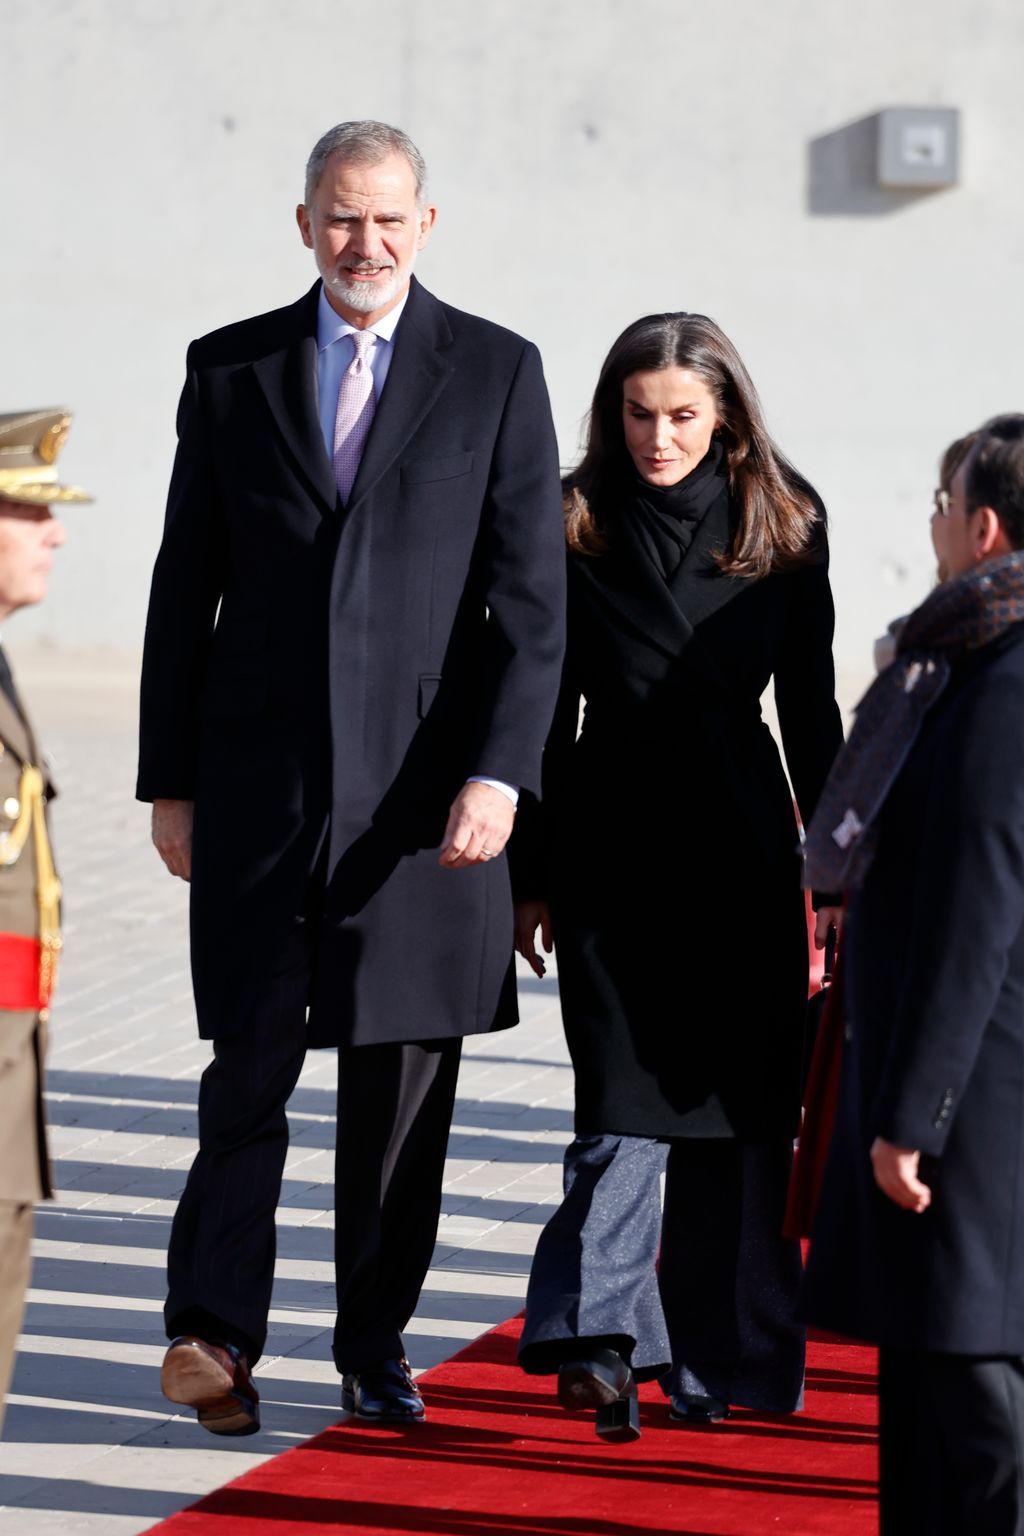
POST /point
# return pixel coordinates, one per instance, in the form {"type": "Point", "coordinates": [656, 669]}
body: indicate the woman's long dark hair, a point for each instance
{"type": "Point", "coordinates": [778, 514]}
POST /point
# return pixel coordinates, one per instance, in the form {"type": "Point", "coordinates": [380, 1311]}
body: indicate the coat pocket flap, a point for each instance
{"type": "Point", "coordinates": [428, 689]}
{"type": "Point", "coordinates": [445, 468]}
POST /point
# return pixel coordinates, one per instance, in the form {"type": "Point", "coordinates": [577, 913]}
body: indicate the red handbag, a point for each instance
{"type": "Point", "coordinates": [821, 1099]}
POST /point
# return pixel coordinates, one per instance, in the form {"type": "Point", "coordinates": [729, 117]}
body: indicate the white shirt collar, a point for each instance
{"type": "Point", "coordinates": [330, 325]}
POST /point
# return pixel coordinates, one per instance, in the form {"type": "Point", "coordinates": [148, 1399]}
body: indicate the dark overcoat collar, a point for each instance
{"type": "Point", "coordinates": [287, 376]}
{"type": "Point", "coordinates": [418, 373]}
{"type": "Point", "coordinates": [15, 732]}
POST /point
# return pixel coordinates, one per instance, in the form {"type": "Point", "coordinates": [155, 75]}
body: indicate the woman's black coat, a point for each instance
{"type": "Point", "coordinates": [667, 844]}
{"type": "Point", "coordinates": [934, 994]}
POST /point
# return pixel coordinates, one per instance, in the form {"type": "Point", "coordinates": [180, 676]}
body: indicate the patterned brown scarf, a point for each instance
{"type": "Point", "coordinates": [959, 617]}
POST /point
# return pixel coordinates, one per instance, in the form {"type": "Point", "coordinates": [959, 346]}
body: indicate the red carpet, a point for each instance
{"type": "Point", "coordinates": [498, 1457]}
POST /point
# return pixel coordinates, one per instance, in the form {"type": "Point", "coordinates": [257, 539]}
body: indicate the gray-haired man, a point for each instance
{"type": "Point", "coordinates": [366, 484]}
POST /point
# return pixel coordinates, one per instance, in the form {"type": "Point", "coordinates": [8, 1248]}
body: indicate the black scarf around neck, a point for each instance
{"type": "Point", "coordinates": [958, 618]}
{"type": "Point", "coordinates": [666, 519]}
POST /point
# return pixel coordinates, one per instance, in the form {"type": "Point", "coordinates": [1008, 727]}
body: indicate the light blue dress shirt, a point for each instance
{"type": "Point", "coordinates": [335, 352]}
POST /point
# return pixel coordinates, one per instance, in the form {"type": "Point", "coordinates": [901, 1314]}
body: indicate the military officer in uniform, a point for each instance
{"type": "Point", "coordinates": [30, 533]}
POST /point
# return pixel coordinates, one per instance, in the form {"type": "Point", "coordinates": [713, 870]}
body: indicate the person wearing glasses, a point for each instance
{"type": "Point", "coordinates": [664, 864]}
{"type": "Point", "coordinates": [954, 456]}
{"type": "Point", "coordinates": [918, 1244]}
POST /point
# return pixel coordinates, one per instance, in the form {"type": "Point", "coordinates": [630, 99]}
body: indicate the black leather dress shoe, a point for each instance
{"type": "Point", "coordinates": [382, 1394]}
{"type": "Point", "coordinates": [604, 1381]}
{"type": "Point", "coordinates": [696, 1408]}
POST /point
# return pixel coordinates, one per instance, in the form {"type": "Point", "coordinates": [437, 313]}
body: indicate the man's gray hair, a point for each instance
{"type": "Point", "coordinates": [365, 142]}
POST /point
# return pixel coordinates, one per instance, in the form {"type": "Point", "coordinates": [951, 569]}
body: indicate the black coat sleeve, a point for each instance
{"type": "Point", "coordinates": [186, 589]}
{"type": "Point", "coordinates": [805, 687]}
{"type": "Point", "coordinates": [965, 909]}
{"type": "Point", "coordinates": [523, 557]}
{"type": "Point", "coordinates": [529, 848]}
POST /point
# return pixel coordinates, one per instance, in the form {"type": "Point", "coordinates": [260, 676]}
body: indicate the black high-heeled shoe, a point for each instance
{"type": "Point", "coordinates": [604, 1381]}
{"type": "Point", "coordinates": [697, 1408]}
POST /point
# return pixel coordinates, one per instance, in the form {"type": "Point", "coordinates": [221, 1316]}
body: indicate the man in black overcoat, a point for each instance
{"type": "Point", "coordinates": [919, 1241]}
{"type": "Point", "coordinates": [352, 656]}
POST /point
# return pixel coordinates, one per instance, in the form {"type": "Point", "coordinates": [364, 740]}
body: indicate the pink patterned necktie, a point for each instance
{"type": "Point", "coordinates": [354, 414]}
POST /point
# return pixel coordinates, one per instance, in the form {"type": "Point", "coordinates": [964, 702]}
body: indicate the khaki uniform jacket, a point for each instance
{"type": "Point", "coordinates": [24, 1162]}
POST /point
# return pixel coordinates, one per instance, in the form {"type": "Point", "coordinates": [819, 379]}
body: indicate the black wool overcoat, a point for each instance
{"type": "Point", "coordinates": [321, 679]}
{"type": "Point", "coordinates": [934, 1059]}
{"type": "Point", "coordinates": [667, 843]}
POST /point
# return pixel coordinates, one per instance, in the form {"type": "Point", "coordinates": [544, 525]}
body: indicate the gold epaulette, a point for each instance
{"type": "Point", "coordinates": [32, 818]}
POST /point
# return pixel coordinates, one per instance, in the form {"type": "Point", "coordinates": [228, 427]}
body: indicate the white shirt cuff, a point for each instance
{"type": "Point", "coordinates": [506, 789]}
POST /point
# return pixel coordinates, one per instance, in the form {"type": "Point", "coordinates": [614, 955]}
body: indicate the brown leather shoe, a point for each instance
{"type": "Point", "coordinates": [215, 1380]}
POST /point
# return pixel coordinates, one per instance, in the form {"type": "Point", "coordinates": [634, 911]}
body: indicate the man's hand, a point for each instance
{"type": "Point", "coordinates": [531, 915]}
{"type": "Point", "coordinates": [824, 919]}
{"type": "Point", "coordinates": [479, 824]}
{"type": "Point", "coordinates": [172, 835]}
{"type": "Point", "coordinates": [895, 1170]}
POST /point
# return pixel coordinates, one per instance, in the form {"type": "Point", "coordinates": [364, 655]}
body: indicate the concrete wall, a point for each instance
{"type": "Point", "coordinates": [592, 160]}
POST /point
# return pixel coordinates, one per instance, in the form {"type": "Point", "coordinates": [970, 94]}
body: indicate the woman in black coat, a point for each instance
{"type": "Point", "coordinates": [664, 863]}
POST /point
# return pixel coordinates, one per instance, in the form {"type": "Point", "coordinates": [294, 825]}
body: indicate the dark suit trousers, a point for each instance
{"type": "Point", "coordinates": [394, 1110]}
{"type": "Point", "coordinates": [951, 1444]}
{"type": "Point", "coordinates": [718, 1313]}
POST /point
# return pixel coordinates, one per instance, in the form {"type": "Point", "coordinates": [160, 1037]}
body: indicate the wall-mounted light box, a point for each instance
{"type": "Point", "coordinates": [918, 146]}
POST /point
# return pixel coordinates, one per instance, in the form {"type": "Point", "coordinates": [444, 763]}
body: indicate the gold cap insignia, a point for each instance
{"type": "Point", "coordinates": [53, 440]}
{"type": "Point", "coordinates": [30, 444]}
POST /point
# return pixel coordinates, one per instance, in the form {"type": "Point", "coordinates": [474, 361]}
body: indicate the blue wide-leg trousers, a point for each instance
{"type": "Point", "coordinates": [717, 1312]}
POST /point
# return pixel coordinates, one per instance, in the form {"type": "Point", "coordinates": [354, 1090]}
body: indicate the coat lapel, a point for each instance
{"type": "Point", "coordinates": [15, 733]}
{"type": "Point", "coordinates": [288, 378]}
{"type": "Point", "coordinates": [419, 372]}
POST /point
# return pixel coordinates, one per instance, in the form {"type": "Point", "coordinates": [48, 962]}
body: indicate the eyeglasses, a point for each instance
{"type": "Point", "coordinates": [940, 503]}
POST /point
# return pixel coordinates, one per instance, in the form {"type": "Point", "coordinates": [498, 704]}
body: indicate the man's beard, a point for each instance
{"type": "Point", "coordinates": [366, 297]}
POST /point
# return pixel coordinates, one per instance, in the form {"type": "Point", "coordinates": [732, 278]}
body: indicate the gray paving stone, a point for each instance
{"type": "Point", "coordinates": [90, 1445]}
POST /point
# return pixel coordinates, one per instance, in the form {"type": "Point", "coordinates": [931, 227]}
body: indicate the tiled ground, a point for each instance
{"type": "Point", "coordinates": [89, 1445]}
